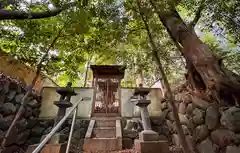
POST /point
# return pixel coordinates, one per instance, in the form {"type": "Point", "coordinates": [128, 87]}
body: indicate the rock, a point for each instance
{"type": "Point", "coordinates": [231, 119]}
{"type": "Point", "coordinates": [23, 137]}
{"type": "Point", "coordinates": [5, 123]}
{"type": "Point", "coordinates": [183, 119]}
{"type": "Point", "coordinates": [170, 116]}
{"type": "Point", "coordinates": [10, 149]}
{"type": "Point", "coordinates": [189, 109]}
{"type": "Point", "coordinates": [33, 140]}
{"type": "Point", "coordinates": [237, 142]}
{"type": "Point", "coordinates": [17, 106]}
{"type": "Point", "coordinates": [1, 135]}
{"type": "Point", "coordinates": [233, 149]}
{"type": "Point", "coordinates": [80, 124]}
{"type": "Point", "coordinates": [18, 98]}
{"type": "Point", "coordinates": [217, 148]}
{"type": "Point", "coordinates": [34, 104]}
{"type": "Point", "coordinates": [200, 133]}
{"type": "Point", "coordinates": [159, 120]}
{"type": "Point", "coordinates": [185, 130]}
{"type": "Point", "coordinates": [6, 85]}
{"type": "Point", "coordinates": [205, 146]}
{"type": "Point", "coordinates": [162, 130]}
{"type": "Point", "coordinates": [183, 97]}
{"type": "Point", "coordinates": [187, 98]}
{"type": "Point", "coordinates": [2, 98]}
{"type": "Point", "coordinates": [28, 112]}
{"type": "Point", "coordinates": [198, 117]}
{"type": "Point", "coordinates": [37, 131]}
{"type": "Point", "coordinates": [223, 137]}
{"type": "Point", "coordinates": [11, 95]}
{"type": "Point", "coordinates": [35, 112]}
{"type": "Point", "coordinates": [65, 130]}
{"type": "Point", "coordinates": [178, 97]}
{"type": "Point", "coordinates": [79, 133]}
{"type": "Point", "coordinates": [176, 103]}
{"type": "Point", "coordinates": [130, 134]}
{"type": "Point", "coordinates": [184, 127]}
{"type": "Point", "coordinates": [182, 108]}
{"type": "Point", "coordinates": [212, 118]}
{"type": "Point", "coordinates": [47, 131]}
{"type": "Point", "coordinates": [12, 137]}
{"type": "Point", "coordinates": [127, 143]}
{"type": "Point", "coordinates": [131, 125]}
{"type": "Point", "coordinates": [31, 123]}
{"type": "Point", "coordinates": [176, 140]}
{"type": "Point", "coordinates": [19, 89]}
{"type": "Point", "coordinates": [191, 126]}
{"type": "Point", "coordinates": [8, 109]}
{"type": "Point", "coordinates": [46, 123]}
{"type": "Point", "coordinates": [169, 125]}
{"type": "Point", "coordinates": [200, 103]}
{"type": "Point", "coordinates": [123, 122]}
{"type": "Point", "coordinates": [21, 125]}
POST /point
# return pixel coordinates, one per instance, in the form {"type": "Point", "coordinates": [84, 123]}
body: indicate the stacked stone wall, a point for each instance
{"type": "Point", "coordinates": [29, 128]}
{"type": "Point", "coordinates": [209, 127]}
{"type": "Point", "coordinates": [11, 93]}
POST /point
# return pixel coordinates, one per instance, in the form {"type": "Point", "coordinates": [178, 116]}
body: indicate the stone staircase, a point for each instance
{"type": "Point", "coordinates": [103, 135]}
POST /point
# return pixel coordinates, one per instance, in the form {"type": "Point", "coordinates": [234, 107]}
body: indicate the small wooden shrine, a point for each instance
{"type": "Point", "coordinates": [106, 81]}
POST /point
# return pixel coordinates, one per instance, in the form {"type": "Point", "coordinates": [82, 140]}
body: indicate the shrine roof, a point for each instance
{"type": "Point", "coordinates": [108, 70]}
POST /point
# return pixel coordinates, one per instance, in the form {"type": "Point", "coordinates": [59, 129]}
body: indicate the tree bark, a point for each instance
{"type": "Point", "coordinates": [209, 74]}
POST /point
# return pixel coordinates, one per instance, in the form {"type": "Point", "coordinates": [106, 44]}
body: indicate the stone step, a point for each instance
{"type": "Point", "coordinates": [105, 123]}
{"type": "Point", "coordinates": [104, 132]}
{"type": "Point", "coordinates": [96, 145]}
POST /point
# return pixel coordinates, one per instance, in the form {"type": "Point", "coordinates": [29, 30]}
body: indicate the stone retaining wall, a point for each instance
{"type": "Point", "coordinates": [29, 128]}
{"type": "Point", "coordinates": [208, 127]}
{"type": "Point", "coordinates": [11, 93]}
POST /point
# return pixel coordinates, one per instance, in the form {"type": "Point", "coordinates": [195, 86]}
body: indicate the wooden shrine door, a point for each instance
{"type": "Point", "coordinates": [107, 102]}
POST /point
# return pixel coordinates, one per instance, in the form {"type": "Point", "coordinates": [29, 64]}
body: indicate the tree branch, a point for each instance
{"type": "Point", "coordinates": [198, 14]}
{"type": "Point", "coordinates": [29, 90]}
{"type": "Point", "coordinates": [20, 15]}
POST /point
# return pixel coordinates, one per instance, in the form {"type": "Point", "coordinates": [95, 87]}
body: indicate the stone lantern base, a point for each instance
{"type": "Point", "coordinates": [55, 144]}
{"type": "Point", "coordinates": [49, 148]}
{"type": "Point", "coordinates": [150, 142]}
{"type": "Point", "coordinates": [160, 146]}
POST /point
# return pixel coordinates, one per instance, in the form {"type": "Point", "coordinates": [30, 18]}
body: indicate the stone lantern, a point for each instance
{"type": "Point", "coordinates": [64, 101]}
{"type": "Point", "coordinates": [57, 143]}
{"type": "Point", "coordinates": [149, 140]}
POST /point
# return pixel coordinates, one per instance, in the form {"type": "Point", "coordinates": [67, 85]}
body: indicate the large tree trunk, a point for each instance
{"type": "Point", "coordinates": [205, 70]}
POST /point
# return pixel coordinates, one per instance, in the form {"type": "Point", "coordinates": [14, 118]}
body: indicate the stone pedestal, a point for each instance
{"type": "Point", "coordinates": [151, 146]}
{"type": "Point", "coordinates": [148, 135]}
{"type": "Point", "coordinates": [49, 148]}
{"type": "Point", "coordinates": [149, 141]}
